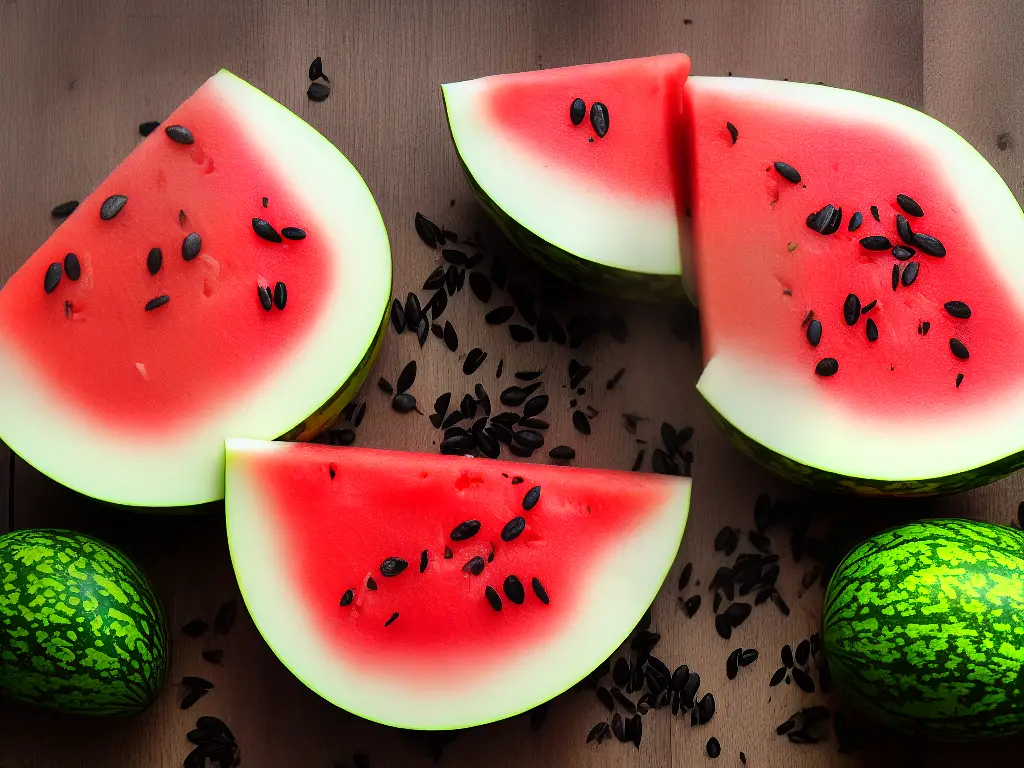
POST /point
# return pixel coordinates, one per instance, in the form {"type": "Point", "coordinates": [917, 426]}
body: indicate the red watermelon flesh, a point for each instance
{"type": "Point", "coordinates": [308, 524]}
{"type": "Point", "coordinates": [124, 376]}
{"type": "Point", "coordinates": [762, 271]}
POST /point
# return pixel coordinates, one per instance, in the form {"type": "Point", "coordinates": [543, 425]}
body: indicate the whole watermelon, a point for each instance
{"type": "Point", "coordinates": [81, 629]}
{"type": "Point", "coordinates": [924, 628]}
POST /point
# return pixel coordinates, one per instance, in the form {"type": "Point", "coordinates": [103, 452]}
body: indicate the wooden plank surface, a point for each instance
{"type": "Point", "coordinates": [75, 80]}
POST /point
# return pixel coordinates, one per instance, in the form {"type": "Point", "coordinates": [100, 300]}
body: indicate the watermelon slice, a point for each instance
{"type": "Point", "coordinates": [439, 592]}
{"type": "Point", "coordinates": [583, 168]}
{"type": "Point", "coordinates": [230, 277]}
{"type": "Point", "coordinates": [880, 356]}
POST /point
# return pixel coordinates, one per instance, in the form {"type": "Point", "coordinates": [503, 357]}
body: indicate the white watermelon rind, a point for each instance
{"type": "Point", "coordinates": [785, 420]}
{"type": "Point", "coordinates": [618, 592]}
{"type": "Point", "coordinates": [185, 468]}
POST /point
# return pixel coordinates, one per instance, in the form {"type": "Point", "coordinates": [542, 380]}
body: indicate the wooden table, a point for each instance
{"type": "Point", "coordinates": [77, 77]}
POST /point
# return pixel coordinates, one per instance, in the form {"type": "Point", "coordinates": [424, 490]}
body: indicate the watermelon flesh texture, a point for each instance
{"type": "Point", "coordinates": [307, 523]}
{"type": "Point", "coordinates": [894, 419]}
{"type": "Point", "coordinates": [132, 406]}
{"type": "Point", "coordinates": [605, 212]}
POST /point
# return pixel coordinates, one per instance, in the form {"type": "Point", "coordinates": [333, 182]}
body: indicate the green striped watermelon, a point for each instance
{"type": "Point", "coordinates": [924, 628]}
{"type": "Point", "coordinates": [81, 629]}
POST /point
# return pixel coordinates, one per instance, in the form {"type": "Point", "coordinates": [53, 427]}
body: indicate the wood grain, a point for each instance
{"type": "Point", "coordinates": [77, 78]}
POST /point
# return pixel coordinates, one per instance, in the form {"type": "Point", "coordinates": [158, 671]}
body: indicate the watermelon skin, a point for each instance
{"type": "Point", "coordinates": [81, 628]}
{"type": "Point", "coordinates": [98, 397]}
{"type": "Point", "coordinates": [307, 523]}
{"type": "Point", "coordinates": [922, 628]}
{"type": "Point", "coordinates": [885, 423]}
{"type": "Point", "coordinates": [606, 213]}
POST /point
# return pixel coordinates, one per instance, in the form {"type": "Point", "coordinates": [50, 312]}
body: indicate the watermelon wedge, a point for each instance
{"type": "Point", "coordinates": [230, 277]}
{"type": "Point", "coordinates": [583, 168]}
{"type": "Point", "coordinates": [439, 592]}
{"type": "Point", "coordinates": [861, 289]}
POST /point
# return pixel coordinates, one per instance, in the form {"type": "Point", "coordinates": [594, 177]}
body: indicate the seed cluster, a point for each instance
{"type": "Point", "coordinates": [598, 116]}
{"type": "Point", "coordinates": [318, 91]}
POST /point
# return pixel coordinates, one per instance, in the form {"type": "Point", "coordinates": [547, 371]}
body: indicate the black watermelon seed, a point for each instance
{"type": "Point", "coordinates": [154, 260]}
{"type": "Point", "coordinates": [868, 307]}
{"type": "Point", "coordinates": [487, 443]}
{"type": "Point", "coordinates": [180, 134]}
{"type": "Point", "coordinates": [513, 528]}
{"type": "Point", "coordinates": [190, 698]}
{"type": "Point", "coordinates": [264, 229]}
{"type": "Point", "coordinates": [787, 655]}
{"type": "Point", "coordinates": [343, 437]}
{"type": "Point", "coordinates": [293, 233]}
{"type": "Point", "coordinates": [748, 656]}
{"type": "Point", "coordinates": [638, 461]}
{"type": "Point", "coordinates": [266, 300]}
{"type": "Point", "coordinates": [316, 69]}
{"type": "Point", "coordinates": [451, 338]}
{"type": "Point", "coordinates": [535, 406]}
{"type": "Point", "coordinates": [539, 591]}
{"type": "Point", "coordinates": [499, 315]}
{"type": "Point", "coordinates": [403, 403]}
{"type": "Point", "coordinates": [112, 206]}
{"type": "Point", "coordinates": [780, 603]}
{"type": "Point", "coordinates": [903, 229]}
{"type": "Point", "coordinates": [442, 403]}
{"type": "Point", "coordinates": [929, 245]}
{"type": "Point", "coordinates": [803, 680]}
{"type": "Point", "coordinates": [909, 205]}
{"type": "Point", "coordinates": [195, 628]}
{"type": "Point", "coordinates": [778, 677]}
{"type": "Point", "coordinates": [713, 748]}
{"type": "Point", "coordinates": [827, 366]}
{"type": "Point", "coordinates": [148, 127]}
{"type": "Point", "coordinates": [528, 375]}
{"type": "Point", "coordinates": [448, 554]}
{"type": "Point", "coordinates": [438, 303]}
{"type": "Point", "coordinates": [581, 422]}
{"type": "Point", "coordinates": [529, 439]}
{"type": "Point", "coordinates": [959, 380]}
{"type": "Point", "coordinates": [406, 378]}
{"type": "Point", "coordinates": [191, 246]}
{"type": "Point", "coordinates": [876, 243]}
{"type": "Point", "coordinates": [803, 652]}
{"type": "Point", "coordinates": [520, 333]}
{"type": "Point", "coordinates": [562, 453]}
{"type": "Point", "coordinates": [895, 276]}
{"type": "Point", "coordinates": [836, 219]}
{"type": "Point", "coordinates": [437, 330]}
{"type": "Point", "coordinates": [474, 566]}
{"type": "Point", "coordinates": [910, 273]}
{"type": "Point", "coordinates": [874, 213]}
{"type": "Point", "coordinates": [707, 708]}
{"type": "Point", "coordinates": [958, 309]}
{"type": "Point", "coordinates": [614, 380]}
{"type": "Point", "coordinates": [599, 118]}
{"type": "Point", "coordinates": [72, 267]}
{"type": "Point", "coordinates": [603, 695]}
{"type": "Point", "coordinates": [468, 406]}
{"type": "Point", "coordinates": [577, 111]}
{"type": "Point", "coordinates": [519, 450]}
{"type": "Point", "coordinates": [474, 360]}
{"type": "Point", "coordinates": [480, 284]}
{"type": "Point", "coordinates": [532, 497]}
{"type": "Point", "coordinates": [371, 584]}
{"type": "Point", "coordinates": [318, 91]}
{"type": "Point", "coordinates": [266, 202]}
{"type": "Point", "coordinates": [732, 664]}
{"type": "Point", "coordinates": [422, 331]}
{"type": "Point", "coordinates": [902, 253]}
{"type": "Point", "coordinates": [413, 311]}
{"type": "Point", "coordinates": [358, 412]}
{"type": "Point", "coordinates": [391, 621]}
{"type": "Point", "coordinates": [427, 230]}
{"type": "Point", "coordinates": [455, 257]}
{"type": "Point", "coordinates": [393, 566]}
{"type": "Point", "coordinates": [821, 220]}
{"type": "Point", "coordinates": [424, 557]}
{"type": "Point", "coordinates": [63, 210]}
{"type": "Point", "coordinates": [787, 171]}
{"type": "Point", "coordinates": [958, 348]}
{"type": "Point", "coordinates": [855, 221]}
{"type": "Point", "coordinates": [737, 613]}
{"type": "Point", "coordinates": [159, 301]}
{"type": "Point", "coordinates": [735, 134]}
{"type": "Point", "coordinates": [280, 295]}
{"type": "Point", "coordinates": [851, 309]}
{"type": "Point", "coordinates": [465, 530]}
{"type": "Point", "coordinates": [513, 589]}
{"type": "Point", "coordinates": [871, 330]}
{"type": "Point", "coordinates": [347, 598]}
{"type": "Point", "coordinates": [493, 598]}
{"type": "Point", "coordinates": [814, 332]}
{"type": "Point", "coordinates": [722, 626]}
{"type": "Point", "coordinates": [692, 605]}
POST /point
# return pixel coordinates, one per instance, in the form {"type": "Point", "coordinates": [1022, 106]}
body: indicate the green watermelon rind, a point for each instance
{"type": "Point", "coordinates": [119, 666]}
{"type": "Point", "coordinates": [569, 267]}
{"type": "Point", "coordinates": [943, 667]}
{"type": "Point", "coordinates": [832, 482]}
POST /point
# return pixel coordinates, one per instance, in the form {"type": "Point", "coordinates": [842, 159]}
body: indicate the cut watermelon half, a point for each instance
{"type": "Point", "coordinates": [144, 331]}
{"type": "Point", "coordinates": [583, 168]}
{"type": "Point", "coordinates": [874, 347]}
{"type": "Point", "coordinates": [438, 592]}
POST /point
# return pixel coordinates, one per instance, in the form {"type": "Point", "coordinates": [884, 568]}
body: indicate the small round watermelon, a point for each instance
{"type": "Point", "coordinates": [81, 629]}
{"type": "Point", "coordinates": [922, 628]}
{"type": "Point", "coordinates": [439, 592]}
{"type": "Point", "coordinates": [230, 277]}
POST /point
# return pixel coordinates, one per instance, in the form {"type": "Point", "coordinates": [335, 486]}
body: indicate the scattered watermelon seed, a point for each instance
{"type": "Point", "coordinates": [293, 233]}
{"type": "Point", "coordinates": [855, 221]}
{"type": "Point", "coordinates": [562, 453]}
{"type": "Point", "coordinates": [52, 277]}
{"type": "Point", "coordinates": [316, 69]}
{"type": "Point", "coordinates": [910, 273]}
{"type": "Point", "coordinates": [903, 229]}
{"type": "Point", "coordinates": [266, 202]}
{"type": "Point", "coordinates": [872, 330]}
{"type": "Point", "coordinates": [406, 378]}
{"type": "Point", "coordinates": [493, 598]}
{"type": "Point", "coordinates": [148, 127]}
{"type": "Point", "coordinates": [423, 560]}
{"type": "Point", "coordinates": [876, 243]}
{"type": "Point", "coordinates": [909, 205]}
{"type": "Point", "coordinates": [403, 403]}
{"type": "Point", "coordinates": [347, 598]}
{"type": "Point", "coordinates": [266, 301]}
{"type": "Point", "coordinates": [371, 584]}
{"type": "Point", "coordinates": [474, 360]}
{"type": "Point", "coordinates": [280, 295]}
{"type": "Point", "coordinates": [581, 422]}
{"type": "Point", "coordinates": [895, 276]}
{"type": "Point", "coordinates": [868, 307]}
{"type": "Point", "coordinates": [391, 621]}
{"type": "Point", "coordinates": [902, 253]}
{"type": "Point", "coordinates": [874, 213]}
{"type": "Point", "coordinates": [191, 246]}
{"type": "Point", "coordinates": [959, 380]}
{"type": "Point", "coordinates": [195, 628]}
{"type": "Point", "coordinates": [318, 92]}
{"type": "Point", "coordinates": [263, 228]}
{"type": "Point", "coordinates": [448, 554]}
{"type": "Point", "coordinates": [958, 309]}
{"type": "Point", "coordinates": [851, 309]}
{"type": "Point", "coordinates": [158, 302]}
{"type": "Point", "coordinates": [539, 591]}
{"type": "Point", "coordinates": [958, 348]}
{"type": "Point", "coordinates": [531, 498]}
{"type": "Point", "coordinates": [787, 171]}
{"type": "Point", "coordinates": [112, 206]}
{"type": "Point", "coordinates": [577, 111]}
{"type": "Point", "coordinates": [732, 131]}
{"type": "Point", "coordinates": [599, 118]}
{"type": "Point", "coordinates": [930, 245]}
{"type": "Point", "coordinates": [474, 566]}
{"type": "Point", "coordinates": [713, 748]}
{"type": "Point", "coordinates": [180, 134]}
{"type": "Point", "coordinates": [465, 530]}
{"type": "Point", "coordinates": [513, 589]}
{"type": "Point", "coordinates": [393, 566]}
{"type": "Point", "coordinates": [154, 260]}
{"type": "Point", "coordinates": [63, 210]}
{"type": "Point", "coordinates": [827, 366]}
